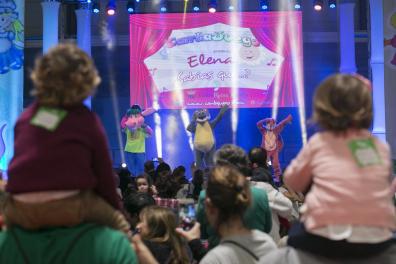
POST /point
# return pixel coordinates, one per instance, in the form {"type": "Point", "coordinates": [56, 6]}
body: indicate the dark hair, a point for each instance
{"type": "Point", "coordinates": [198, 181]}
{"type": "Point", "coordinates": [135, 202]}
{"type": "Point", "coordinates": [258, 156]}
{"type": "Point", "coordinates": [233, 155]}
{"type": "Point", "coordinates": [149, 166]}
{"type": "Point", "coordinates": [228, 190]}
{"type": "Point", "coordinates": [144, 176]}
{"type": "Point", "coordinates": [125, 179]}
{"type": "Point", "coordinates": [343, 101]}
{"type": "Point", "coordinates": [163, 167]}
{"type": "Point", "coordinates": [134, 110]}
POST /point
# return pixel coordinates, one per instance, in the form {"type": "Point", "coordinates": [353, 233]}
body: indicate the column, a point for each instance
{"type": "Point", "coordinates": [377, 67]}
{"type": "Point", "coordinates": [50, 23]}
{"type": "Point", "coordinates": [83, 15]}
{"type": "Point", "coordinates": [347, 36]}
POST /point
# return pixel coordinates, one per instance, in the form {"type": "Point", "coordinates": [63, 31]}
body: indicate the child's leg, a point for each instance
{"type": "Point", "coordinates": [61, 212]}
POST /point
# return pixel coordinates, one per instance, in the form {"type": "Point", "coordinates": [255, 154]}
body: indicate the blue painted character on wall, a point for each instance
{"type": "Point", "coordinates": [11, 37]}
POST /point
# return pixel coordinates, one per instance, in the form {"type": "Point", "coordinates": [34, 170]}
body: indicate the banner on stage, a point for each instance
{"type": "Point", "coordinates": [204, 60]}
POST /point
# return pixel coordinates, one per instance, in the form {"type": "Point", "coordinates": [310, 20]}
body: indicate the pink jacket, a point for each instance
{"type": "Point", "coordinates": [342, 192]}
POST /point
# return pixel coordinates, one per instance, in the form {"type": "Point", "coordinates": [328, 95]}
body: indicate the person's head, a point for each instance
{"type": "Point", "coordinates": [233, 155]}
{"type": "Point", "coordinates": [198, 177]}
{"type": "Point", "coordinates": [270, 124]}
{"type": "Point", "coordinates": [258, 157]}
{"type": "Point", "coordinates": [227, 195]}
{"type": "Point", "coordinates": [163, 170]}
{"type": "Point", "coordinates": [343, 101]}
{"type": "Point", "coordinates": [135, 202]}
{"type": "Point", "coordinates": [179, 173]}
{"type": "Point", "coordinates": [158, 224]}
{"type": "Point", "coordinates": [149, 167]}
{"type": "Point", "coordinates": [142, 183]}
{"type": "Point", "coordinates": [64, 76]}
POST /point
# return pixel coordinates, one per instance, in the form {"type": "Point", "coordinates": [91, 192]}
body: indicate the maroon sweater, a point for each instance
{"type": "Point", "coordinates": [74, 156]}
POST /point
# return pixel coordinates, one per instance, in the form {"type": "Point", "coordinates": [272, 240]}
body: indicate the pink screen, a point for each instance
{"type": "Point", "coordinates": [205, 60]}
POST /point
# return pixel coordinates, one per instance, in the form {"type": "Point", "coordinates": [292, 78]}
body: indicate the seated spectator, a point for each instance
{"type": "Point", "coordinates": [157, 228]}
{"type": "Point", "coordinates": [280, 205]}
{"type": "Point", "coordinates": [260, 170]}
{"type": "Point", "coordinates": [134, 204]}
{"type": "Point", "coordinates": [125, 180]}
{"type": "Point", "coordinates": [143, 184]}
{"type": "Point", "coordinates": [85, 243]}
{"type": "Point", "coordinates": [149, 168]}
{"type": "Point", "coordinates": [258, 214]}
{"type": "Point", "coordinates": [166, 186]}
{"type": "Point", "coordinates": [227, 198]}
{"type": "Point", "coordinates": [197, 184]}
{"type": "Point", "coordinates": [179, 175]}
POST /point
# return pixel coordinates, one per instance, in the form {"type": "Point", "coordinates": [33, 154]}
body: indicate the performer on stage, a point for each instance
{"type": "Point", "coordinates": [272, 141]}
{"type": "Point", "coordinates": [137, 132]}
{"type": "Point", "coordinates": [204, 140]}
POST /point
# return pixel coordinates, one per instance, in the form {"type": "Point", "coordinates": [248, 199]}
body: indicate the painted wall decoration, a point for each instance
{"type": "Point", "coordinates": [11, 73]}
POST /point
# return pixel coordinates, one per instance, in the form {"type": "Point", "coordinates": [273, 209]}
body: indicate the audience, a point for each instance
{"type": "Point", "coordinates": [258, 214]}
{"type": "Point", "coordinates": [348, 211]}
{"type": "Point", "coordinates": [53, 213]}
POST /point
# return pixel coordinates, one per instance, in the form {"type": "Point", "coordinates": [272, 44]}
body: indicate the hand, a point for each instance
{"type": "Point", "coordinates": [224, 108]}
{"type": "Point", "coordinates": [143, 253]}
{"type": "Point", "coordinates": [193, 233]}
{"type": "Point", "coordinates": [289, 118]}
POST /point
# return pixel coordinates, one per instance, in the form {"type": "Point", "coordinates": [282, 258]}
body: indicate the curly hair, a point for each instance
{"type": "Point", "coordinates": [64, 76]}
{"type": "Point", "coordinates": [233, 155]}
{"type": "Point", "coordinates": [343, 101]}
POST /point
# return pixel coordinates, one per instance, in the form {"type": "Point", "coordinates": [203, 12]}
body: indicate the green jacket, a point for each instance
{"type": "Point", "coordinates": [86, 243]}
{"type": "Point", "coordinates": [257, 216]}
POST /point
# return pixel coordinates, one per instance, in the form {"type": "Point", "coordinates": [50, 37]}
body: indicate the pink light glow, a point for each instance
{"type": "Point", "coordinates": [212, 10]}
{"type": "Point", "coordinates": [111, 12]}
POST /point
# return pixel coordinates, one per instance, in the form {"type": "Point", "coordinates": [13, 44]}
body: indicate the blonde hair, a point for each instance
{"type": "Point", "coordinates": [343, 101]}
{"type": "Point", "coordinates": [161, 223]}
{"type": "Point", "coordinates": [228, 190]}
{"type": "Point", "coordinates": [64, 76]}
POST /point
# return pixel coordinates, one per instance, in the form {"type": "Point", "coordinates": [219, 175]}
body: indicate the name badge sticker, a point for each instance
{"type": "Point", "coordinates": [365, 152]}
{"type": "Point", "coordinates": [48, 118]}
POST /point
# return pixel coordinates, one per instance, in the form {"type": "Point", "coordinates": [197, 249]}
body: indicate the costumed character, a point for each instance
{"type": "Point", "coordinates": [272, 141]}
{"type": "Point", "coordinates": [204, 140]}
{"type": "Point", "coordinates": [11, 37]}
{"type": "Point", "coordinates": [137, 132]}
{"type": "Point", "coordinates": [392, 41]}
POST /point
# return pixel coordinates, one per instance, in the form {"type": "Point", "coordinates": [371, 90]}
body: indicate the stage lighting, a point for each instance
{"type": "Point", "coordinates": [111, 8]}
{"type": "Point", "coordinates": [297, 4]}
{"type": "Point", "coordinates": [96, 7]}
{"type": "Point", "coordinates": [123, 165]}
{"type": "Point", "coordinates": [332, 3]}
{"type": "Point", "coordinates": [196, 6]}
{"type": "Point", "coordinates": [163, 6]}
{"type": "Point", "coordinates": [264, 5]}
{"type": "Point", "coordinates": [212, 6]}
{"type": "Point", "coordinates": [318, 5]}
{"type": "Point", "coordinates": [131, 6]}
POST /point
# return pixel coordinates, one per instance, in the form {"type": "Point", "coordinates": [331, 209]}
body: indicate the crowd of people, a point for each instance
{"type": "Point", "coordinates": [333, 204]}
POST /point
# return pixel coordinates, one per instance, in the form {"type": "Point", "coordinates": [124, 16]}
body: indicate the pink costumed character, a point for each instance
{"type": "Point", "coordinates": [272, 140]}
{"type": "Point", "coordinates": [136, 132]}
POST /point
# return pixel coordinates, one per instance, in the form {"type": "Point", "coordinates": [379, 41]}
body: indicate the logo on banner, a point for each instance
{"type": "Point", "coordinates": [11, 37]}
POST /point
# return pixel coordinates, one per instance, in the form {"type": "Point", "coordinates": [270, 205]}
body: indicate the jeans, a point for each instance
{"type": "Point", "coordinates": [135, 162]}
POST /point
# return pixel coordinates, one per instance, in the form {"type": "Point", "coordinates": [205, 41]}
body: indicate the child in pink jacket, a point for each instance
{"type": "Point", "coordinates": [347, 173]}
